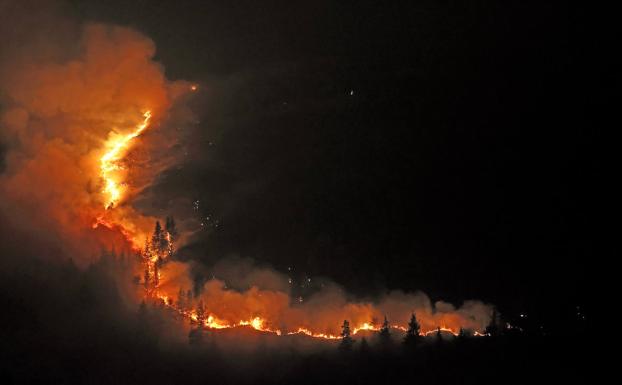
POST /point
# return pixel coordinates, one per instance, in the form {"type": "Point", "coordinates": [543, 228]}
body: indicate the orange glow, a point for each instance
{"type": "Point", "coordinates": [260, 324]}
{"type": "Point", "coordinates": [443, 329]}
{"type": "Point", "coordinates": [101, 221]}
{"type": "Point", "coordinates": [272, 312]}
{"type": "Point", "coordinates": [117, 147]}
{"type": "Point", "coordinates": [365, 326]}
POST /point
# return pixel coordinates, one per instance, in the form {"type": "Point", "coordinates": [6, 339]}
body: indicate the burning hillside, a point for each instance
{"type": "Point", "coordinates": [215, 306]}
{"type": "Point", "coordinates": [87, 130]}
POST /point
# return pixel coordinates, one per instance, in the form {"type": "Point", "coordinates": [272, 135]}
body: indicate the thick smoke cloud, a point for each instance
{"type": "Point", "coordinates": [240, 291]}
{"type": "Point", "coordinates": [63, 96]}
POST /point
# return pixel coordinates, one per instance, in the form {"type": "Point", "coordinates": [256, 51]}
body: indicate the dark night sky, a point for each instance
{"type": "Point", "coordinates": [462, 165]}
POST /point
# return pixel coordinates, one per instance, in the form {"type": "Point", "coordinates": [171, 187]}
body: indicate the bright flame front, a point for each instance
{"type": "Point", "coordinates": [117, 148]}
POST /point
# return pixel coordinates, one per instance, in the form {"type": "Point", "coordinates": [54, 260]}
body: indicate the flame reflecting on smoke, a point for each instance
{"type": "Point", "coordinates": [110, 162]}
{"type": "Point", "coordinates": [113, 171]}
{"type": "Point", "coordinates": [259, 324]}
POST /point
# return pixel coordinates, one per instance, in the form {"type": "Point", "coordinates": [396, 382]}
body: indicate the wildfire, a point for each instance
{"type": "Point", "coordinates": [158, 253]}
{"type": "Point", "coordinates": [259, 324]}
{"type": "Point", "coordinates": [315, 335]}
{"type": "Point", "coordinates": [110, 162]}
{"type": "Point", "coordinates": [442, 329]}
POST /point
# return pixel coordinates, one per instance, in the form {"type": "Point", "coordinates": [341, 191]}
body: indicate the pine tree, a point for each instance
{"type": "Point", "coordinates": [170, 227]}
{"type": "Point", "coordinates": [171, 236]}
{"type": "Point", "coordinates": [158, 240]}
{"type": "Point", "coordinates": [146, 253]}
{"type": "Point", "coordinates": [196, 335]}
{"type": "Point", "coordinates": [385, 333]}
{"type": "Point", "coordinates": [346, 340]}
{"type": "Point", "coordinates": [413, 334]}
{"type": "Point", "coordinates": [462, 336]}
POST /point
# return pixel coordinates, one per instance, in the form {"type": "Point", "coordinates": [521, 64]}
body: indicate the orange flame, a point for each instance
{"type": "Point", "coordinates": [259, 324]}
{"type": "Point", "coordinates": [109, 163]}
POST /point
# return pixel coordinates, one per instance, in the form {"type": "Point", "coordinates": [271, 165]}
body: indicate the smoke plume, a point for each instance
{"type": "Point", "coordinates": [73, 97]}
{"type": "Point", "coordinates": [64, 100]}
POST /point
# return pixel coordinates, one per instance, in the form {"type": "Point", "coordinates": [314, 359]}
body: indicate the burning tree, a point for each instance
{"type": "Point", "coordinates": [195, 337]}
{"type": "Point", "coordinates": [157, 251]}
{"type": "Point", "coordinates": [171, 235]}
{"type": "Point", "coordinates": [158, 240]}
{"type": "Point", "coordinates": [201, 315]}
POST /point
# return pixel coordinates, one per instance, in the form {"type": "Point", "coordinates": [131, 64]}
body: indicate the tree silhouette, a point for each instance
{"type": "Point", "coordinates": [170, 227]}
{"type": "Point", "coordinates": [462, 334]}
{"type": "Point", "coordinates": [146, 252]}
{"type": "Point", "coordinates": [195, 337]}
{"type": "Point", "coordinates": [171, 235]}
{"type": "Point", "coordinates": [346, 340]}
{"type": "Point", "coordinates": [158, 240]}
{"type": "Point", "coordinates": [413, 334]}
{"type": "Point", "coordinates": [385, 333]}
{"type": "Point", "coordinates": [493, 329]}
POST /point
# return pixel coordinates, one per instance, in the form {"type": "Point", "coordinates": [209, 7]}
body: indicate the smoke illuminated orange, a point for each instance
{"type": "Point", "coordinates": [117, 148]}
{"type": "Point", "coordinates": [259, 324]}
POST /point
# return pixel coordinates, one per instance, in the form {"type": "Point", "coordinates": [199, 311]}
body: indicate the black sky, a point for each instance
{"type": "Point", "coordinates": [414, 145]}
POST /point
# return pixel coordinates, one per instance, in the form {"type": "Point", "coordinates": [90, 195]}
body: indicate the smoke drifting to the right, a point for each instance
{"type": "Point", "coordinates": [86, 127]}
{"type": "Point", "coordinates": [239, 294]}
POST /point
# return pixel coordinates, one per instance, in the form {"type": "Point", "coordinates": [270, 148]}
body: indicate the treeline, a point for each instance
{"type": "Point", "coordinates": [63, 324]}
